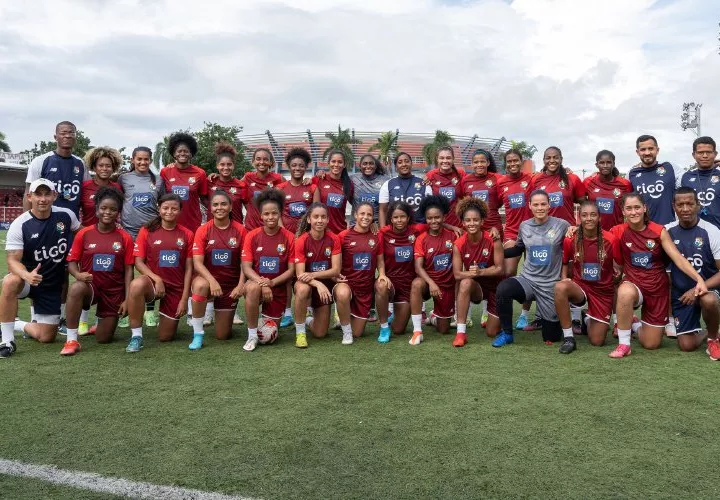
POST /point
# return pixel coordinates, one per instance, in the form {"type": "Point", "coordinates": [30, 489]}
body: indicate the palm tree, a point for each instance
{"type": "Point", "coordinates": [4, 146]}
{"type": "Point", "coordinates": [161, 157]}
{"type": "Point", "coordinates": [522, 146]}
{"type": "Point", "coordinates": [429, 150]}
{"type": "Point", "coordinates": [343, 140]}
{"type": "Point", "coordinates": [386, 146]}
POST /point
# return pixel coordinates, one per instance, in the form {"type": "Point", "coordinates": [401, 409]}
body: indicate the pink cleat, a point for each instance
{"type": "Point", "coordinates": [621, 351]}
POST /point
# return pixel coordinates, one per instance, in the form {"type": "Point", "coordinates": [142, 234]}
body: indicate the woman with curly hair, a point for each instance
{"type": "Point", "coordinates": [225, 154]}
{"type": "Point", "coordinates": [103, 162]}
{"type": "Point", "coordinates": [298, 193]}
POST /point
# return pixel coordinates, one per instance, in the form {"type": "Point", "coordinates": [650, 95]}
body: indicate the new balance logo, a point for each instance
{"type": "Point", "coordinates": [35, 236]}
{"type": "Point", "coordinates": [158, 242]}
{"type": "Point", "coordinates": [92, 245]}
{"type": "Point", "coordinates": [54, 169]}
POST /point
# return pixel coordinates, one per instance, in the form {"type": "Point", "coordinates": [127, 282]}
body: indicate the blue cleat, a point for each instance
{"type": "Point", "coordinates": [503, 339]}
{"type": "Point", "coordinates": [135, 344]}
{"type": "Point", "coordinates": [384, 336]}
{"type": "Point", "coordinates": [286, 321]}
{"type": "Point", "coordinates": [522, 323]}
{"type": "Point", "coordinates": [391, 318]}
{"type": "Point", "coordinates": [197, 342]}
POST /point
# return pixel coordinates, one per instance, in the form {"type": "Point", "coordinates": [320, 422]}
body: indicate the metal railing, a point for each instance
{"type": "Point", "coordinates": [9, 214]}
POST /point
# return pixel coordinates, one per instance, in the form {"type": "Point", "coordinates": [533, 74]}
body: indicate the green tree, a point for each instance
{"type": "Point", "coordinates": [429, 150]}
{"type": "Point", "coordinates": [526, 150]}
{"type": "Point", "coordinates": [82, 146]}
{"type": "Point", "coordinates": [343, 141]}
{"type": "Point", "coordinates": [4, 146]}
{"type": "Point", "coordinates": [386, 146]}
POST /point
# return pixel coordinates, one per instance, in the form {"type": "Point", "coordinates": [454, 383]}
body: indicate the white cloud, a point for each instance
{"type": "Point", "coordinates": [583, 75]}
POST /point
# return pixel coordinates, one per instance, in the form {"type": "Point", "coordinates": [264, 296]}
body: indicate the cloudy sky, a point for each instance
{"type": "Point", "coordinates": [581, 74]}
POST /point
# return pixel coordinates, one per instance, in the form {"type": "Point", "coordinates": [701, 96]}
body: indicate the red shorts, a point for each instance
{"type": "Point", "coordinates": [107, 303]}
{"type": "Point", "coordinates": [170, 302]}
{"type": "Point", "coordinates": [400, 291]}
{"type": "Point", "coordinates": [599, 305]}
{"type": "Point", "coordinates": [510, 234]}
{"type": "Point", "coordinates": [654, 305]}
{"type": "Point", "coordinates": [488, 293]}
{"type": "Point", "coordinates": [361, 302]}
{"type": "Point", "coordinates": [443, 307]}
{"type": "Point", "coordinates": [315, 297]}
{"type": "Point", "coordinates": [225, 302]}
{"type": "Point", "coordinates": [276, 307]}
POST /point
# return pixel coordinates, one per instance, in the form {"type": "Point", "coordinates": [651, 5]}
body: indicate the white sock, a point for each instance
{"type": "Point", "coordinates": [252, 333]}
{"type": "Point", "coordinates": [423, 307]}
{"type": "Point", "coordinates": [189, 313]}
{"type": "Point", "coordinates": [636, 326]}
{"type": "Point", "coordinates": [71, 334]}
{"type": "Point", "coordinates": [483, 304]}
{"type": "Point", "coordinates": [346, 329]}
{"type": "Point", "coordinates": [32, 313]}
{"type": "Point", "coordinates": [84, 315]}
{"type": "Point", "coordinates": [20, 325]}
{"type": "Point", "coordinates": [299, 328]}
{"type": "Point", "coordinates": [384, 325]}
{"type": "Point", "coordinates": [587, 320]}
{"type": "Point", "coordinates": [309, 311]}
{"type": "Point", "coordinates": [575, 313]}
{"type": "Point", "coordinates": [8, 333]}
{"type": "Point", "coordinates": [624, 336]}
{"type": "Point", "coordinates": [308, 321]}
{"type": "Point", "coordinates": [613, 320]}
{"type": "Point", "coordinates": [210, 308]}
{"type": "Point", "coordinates": [461, 327]}
{"type": "Point", "coordinates": [417, 322]}
{"type": "Point", "coordinates": [523, 313]}
{"type": "Point", "coordinates": [62, 311]}
{"type": "Point", "coordinates": [288, 312]}
{"type": "Point", "coordinates": [136, 332]}
{"type": "Point", "coordinates": [197, 325]}
{"type": "Point", "coordinates": [567, 332]}
{"type": "Point", "coordinates": [391, 308]}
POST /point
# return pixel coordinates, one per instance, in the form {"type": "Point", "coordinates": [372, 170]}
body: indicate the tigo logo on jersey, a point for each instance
{"type": "Point", "coordinates": [591, 271]}
{"type": "Point", "coordinates": [103, 262]}
{"type": "Point", "coordinates": [540, 255]}
{"type": "Point", "coordinates": [517, 200]}
{"type": "Point", "coordinates": [605, 205]}
{"type": "Point", "coordinates": [169, 258]}
{"type": "Point", "coordinates": [696, 260]}
{"type": "Point", "coordinates": [655, 191]}
{"type": "Point", "coordinates": [220, 257]}
{"type": "Point", "coordinates": [403, 254]}
{"type": "Point", "coordinates": [335, 200]}
{"type": "Point", "coordinates": [556, 199]}
{"type": "Point", "coordinates": [447, 192]}
{"type": "Point", "coordinates": [361, 261]}
{"type": "Point", "coordinates": [641, 259]}
{"type": "Point", "coordinates": [56, 253]}
{"type": "Point", "coordinates": [269, 265]}
{"type": "Point", "coordinates": [442, 262]}
{"type": "Point", "coordinates": [141, 199]}
{"type": "Point", "coordinates": [482, 195]}
{"type": "Point", "coordinates": [297, 209]}
{"type": "Point", "coordinates": [316, 267]}
{"type": "Point", "coordinates": [182, 191]}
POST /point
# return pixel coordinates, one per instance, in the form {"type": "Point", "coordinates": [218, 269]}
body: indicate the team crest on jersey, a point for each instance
{"type": "Point", "coordinates": [411, 238]}
{"type": "Point", "coordinates": [616, 192]}
{"type": "Point", "coordinates": [677, 242]}
{"type": "Point", "coordinates": [448, 244]}
{"type": "Point", "coordinates": [562, 184]}
{"type": "Point", "coordinates": [117, 246]}
{"type": "Point", "coordinates": [661, 170]}
{"type": "Point", "coordinates": [191, 180]}
{"type": "Point", "coordinates": [523, 185]}
{"type": "Point", "coordinates": [328, 251]}
{"type": "Point", "coordinates": [232, 242]}
{"type": "Point", "coordinates": [270, 184]}
{"type": "Point", "coordinates": [76, 170]}
{"type": "Point", "coordinates": [551, 233]}
{"type": "Point", "coordinates": [281, 248]}
{"type": "Point", "coordinates": [454, 180]}
{"type": "Point", "coordinates": [306, 195]}
{"type": "Point", "coordinates": [488, 183]}
{"type": "Point", "coordinates": [698, 242]}
{"type": "Point", "coordinates": [233, 190]}
{"type": "Point", "coordinates": [714, 179]}
{"type": "Point", "coordinates": [485, 252]}
{"type": "Point", "coordinates": [60, 227]}
{"type": "Point", "coordinates": [152, 187]}
{"type": "Point", "coordinates": [180, 242]}
{"type": "Point", "coordinates": [371, 243]}
{"type": "Point", "coordinates": [650, 244]}
{"type": "Point", "coordinates": [417, 185]}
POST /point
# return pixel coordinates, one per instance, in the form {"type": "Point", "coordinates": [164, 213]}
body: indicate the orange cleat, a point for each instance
{"type": "Point", "coordinates": [417, 337]}
{"type": "Point", "coordinates": [70, 348]}
{"type": "Point", "coordinates": [621, 351]}
{"type": "Point", "coordinates": [460, 340]}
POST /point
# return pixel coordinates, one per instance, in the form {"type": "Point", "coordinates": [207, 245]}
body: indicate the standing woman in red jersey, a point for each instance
{"type": "Point", "coordinates": [564, 189]}
{"type": "Point", "coordinates": [445, 181]}
{"type": "Point", "coordinates": [588, 278]}
{"type": "Point", "coordinates": [482, 183]}
{"type": "Point", "coordinates": [267, 264]}
{"type": "Point", "coordinates": [101, 261]}
{"type": "Point", "coordinates": [478, 266]}
{"type": "Point", "coordinates": [225, 155]}
{"type": "Point", "coordinates": [104, 162]}
{"type": "Point", "coordinates": [216, 261]}
{"type": "Point", "coordinates": [163, 258]}
{"type": "Point", "coordinates": [335, 190]}
{"type": "Point", "coordinates": [255, 182]}
{"type": "Point", "coordinates": [396, 252]}
{"type": "Point", "coordinates": [356, 283]}
{"type": "Point", "coordinates": [606, 188]}
{"type": "Point", "coordinates": [299, 194]}
{"type": "Point", "coordinates": [513, 191]}
{"type": "Point", "coordinates": [318, 259]}
{"type": "Point", "coordinates": [643, 248]}
{"type": "Point", "coordinates": [187, 181]}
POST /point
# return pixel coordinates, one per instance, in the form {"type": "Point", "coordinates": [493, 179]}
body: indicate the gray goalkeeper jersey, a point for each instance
{"type": "Point", "coordinates": [543, 251]}
{"type": "Point", "coordinates": [141, 196]}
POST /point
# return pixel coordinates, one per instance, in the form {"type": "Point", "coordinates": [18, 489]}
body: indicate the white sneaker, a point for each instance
{"type": "Point", "coordinates": [429, 317]}
{"type": "Point", "coordinates": [416, 339]}
{"type": "Point", "coordinates": [237, 320]}
{"type": "Point", "coordinates": [347, 338]}
{"type": "Point", "coordinates": [670, 330]}
{"type": "Point", "coordinates": [251, 344]}
{"type": "Point", "coordinates": [208, 319]}
{"type": "Point", "coordinates": [188, 319]}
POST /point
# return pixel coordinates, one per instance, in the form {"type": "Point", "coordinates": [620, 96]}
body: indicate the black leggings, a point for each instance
{"type": "Point", "coordinates": [511, 290]}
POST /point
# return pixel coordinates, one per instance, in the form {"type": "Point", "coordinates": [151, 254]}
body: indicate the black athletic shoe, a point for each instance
{"type": "Point", "coordinates": [577, 327]}
{"type": "Point", "coordinates": [7, 349]}
{"type": "Point", "coordinates": [568, 345]}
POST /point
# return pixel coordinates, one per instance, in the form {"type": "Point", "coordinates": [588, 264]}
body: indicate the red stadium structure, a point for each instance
{"type": "Point", "coordinates": [12, 186]}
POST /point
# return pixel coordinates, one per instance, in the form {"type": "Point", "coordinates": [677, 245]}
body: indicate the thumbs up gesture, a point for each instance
{"type": "Point", "coordinates": [34, 277]}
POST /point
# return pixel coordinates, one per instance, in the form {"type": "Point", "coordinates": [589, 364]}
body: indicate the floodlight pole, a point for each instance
{"type": "Point", "coordinates": [690, 117]}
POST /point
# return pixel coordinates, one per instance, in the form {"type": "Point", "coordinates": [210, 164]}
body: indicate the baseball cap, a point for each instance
{"type": "Point", "coordinates": [34, 185]}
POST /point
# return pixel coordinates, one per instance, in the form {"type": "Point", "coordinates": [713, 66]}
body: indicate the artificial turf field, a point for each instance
{"type": "Point", "coordinates": [367, 420]}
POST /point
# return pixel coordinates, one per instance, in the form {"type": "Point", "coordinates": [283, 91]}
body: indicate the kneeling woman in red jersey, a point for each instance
{"type": "Point", "coordinates": [433, 265]}
{"type": "Point", "coordinates": [267, 264]}
{"type": "Point", "coordinates": [101, 261]}
{"type": "Point", "coordinates": [478, 266]}
{"type": "Point", "coordinates": [643, 247]}
{"type": "Point", "coordinates": [354, 290]}
{"type": "Point", "coordinates": [318, 261]}
{"type": "Point", "coordinates": [588, 278]}
{"type": "Point", "coordinates": [216, 260]}
{"type": "Point", "coordinates": [396, 253]}
{"type": "Point", "coordinates": [162, 256]}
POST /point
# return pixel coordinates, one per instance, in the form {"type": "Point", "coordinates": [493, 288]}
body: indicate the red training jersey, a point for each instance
{"type": "Point", "coordinates": [397, 250]}
{"type": "Point", "coordinates": [447, 185]}
{"type": "Point", "coordinates": [235, 188]}
{"type": "Point", "coordinates": [87, 201]}
{"type": "Point", "coordinates": [165, 252]}
{"type": "Point", "coordinates": [317, 254]}
{"type": "Point", "coordinates": [104, 255]}
{"type": "Point", "coordinates": [297, 201]}
{"type": "Point", "coordinates": [254, 185]}
{"type": "Point", "coordinates": [486, 189]}
{"type": "Point", "coordinates": [221, 249]}
{"type": "Point", "coordinates": [562, 194]}
{"type": "Point", "coordinates": [189, 184]}
{"type": "Point", "coordinates": [333, 196]}
{"type": "Point", "coordinates": [269, 254]}
{"type": "Point", "coordinates": [642, 256]}
{"type": "Point", "coordinates": [596, 274]}
{"type": "Point", "coordinates": [480, 253]}
{"type": "Point", "coordinates": [513, 193]}
{"type": "Point", "coordinates": [437, 252]}
{"type": "Point", "coordinates": [359, 258]}
{"type": "Point", "coordinates": [607, 196]}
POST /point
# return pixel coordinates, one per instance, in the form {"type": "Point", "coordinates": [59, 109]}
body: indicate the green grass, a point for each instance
{"type": "Point", "coordinates": [367, 420]}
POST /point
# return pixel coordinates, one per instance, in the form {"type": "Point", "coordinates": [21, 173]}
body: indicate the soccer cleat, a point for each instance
{"type": "Point", "coordinates": [670, 330]}
{"type": "Point", "coordinates": [522, 323]}
{"type": "Point", "coordinates": [568, 345]}
{"type": "Point", "coordinates": [70, 348]}
{"type": "Point", "coordinates": [301, 340]}
{"type": "Point", "coordinates": [336, 320]}
{"type": "Point", "coordinates": [548, 342]}
{"type": "Point", "coordinates": [7, 349]}
{"type": "Point", "coordinates": [621, 351]}
{"type": "Point", "coordinates": [373, 317]}
{"type": "Point", "coordinates": [188, 320]}
{"type": "Point", "coordinates": [384, 336]}
{"type": "Point", "coordinates": [484, 319]}
{"type": "Point", "coordinates": [391, 318]}
{"type": "Point", "coordinates": [713, 349]}
{"type": "Point", "coordinates": [150, 318]}
{"type": "Point", "coordinates": [577, 327]}
{"type": "Point", "coordinates": [534, 326]}
{"type": "Point", "coordinates": [124, 322]}
{"type": "Point", "coordinates": [92, 330]}
{"type": "Point", "coordinates": [286, 321]}
{"type": "Point", "coordinates": [83, 328]}
{"type": "Point", "coordinates": [347, 338]}
{"type": "Point", "coordinates": [237, 320]}
{"type": "Point", "coordinates": [427, 319]}
{"type": "Point", "coordinates": [62, 328]}
{"type": "Point", "coordinates": [469, 323]}
{"type": "Point", "coordinates": [416, 338]}
{"type": "Point", "coordinates": [209, 319]}
{"type": "Point", "coordinates": [453, 322]}
{"type": "Point", "coordinates": [503, 339]}
{"type": "Point", "coordinates": [250, 344]}
{"type": "Point", "coordinates": [424, 318]}
{"type": "Point", "coordinates": [197, 342]}
{"type": "Point", "coordinates": [135, 344]}
{"type": "Point", "coordinates": [460, 339]}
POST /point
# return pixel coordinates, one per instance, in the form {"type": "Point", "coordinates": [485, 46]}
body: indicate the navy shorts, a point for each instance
{"type": "Point", "coordinates": [687, 318]}
{"type": "Point", "coordinates": [46, 299]}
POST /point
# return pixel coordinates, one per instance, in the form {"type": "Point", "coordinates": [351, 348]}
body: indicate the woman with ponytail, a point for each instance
{"type": "Point", "coordinates": [445, 181]}
{"type": "Point", "coordinates": [335, 190]}
{"type": "Point", "coordinates": [255, 182]}
{"type": "Point", "coordinates": [482, 183]}
{"type": "Point", "coordinates": [225, 155]}
{"type": "Point", "coordinates": [606, 188]}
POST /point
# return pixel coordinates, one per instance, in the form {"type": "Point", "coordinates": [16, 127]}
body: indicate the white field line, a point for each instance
{"type": "Point", "coordinates": [102, 484]}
